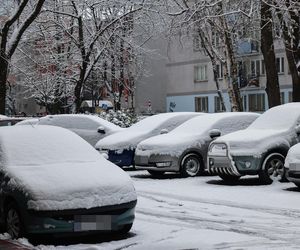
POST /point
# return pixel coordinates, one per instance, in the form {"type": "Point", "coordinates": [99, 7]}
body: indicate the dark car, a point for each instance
{"type": "Point", "coordinates": [54, 182]}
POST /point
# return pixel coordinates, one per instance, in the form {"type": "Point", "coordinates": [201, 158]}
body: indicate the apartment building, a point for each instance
{"type": "Point", "coordinates": [191, 85]}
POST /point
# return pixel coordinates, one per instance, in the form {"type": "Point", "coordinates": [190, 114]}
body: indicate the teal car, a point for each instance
{"type": "Point", "coordinates": [54, 182]}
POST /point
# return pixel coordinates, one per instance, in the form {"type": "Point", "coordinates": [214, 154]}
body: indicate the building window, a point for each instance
{"type": "Point", "coordinates": [290, 96]}
{"type": "Point", "coordinates": [200, 73]}
{"type": "Point", "coordinates": [220, 73]}
{"type": "Point", "coordinates": [218, 105]}
{"type": "Point", "coordinates": [201, 104]}
{"type": "Point", "coordinates": [257, 102]}
{"type": "Point", "coordinates": [244, 102]}
{"type": "Point", "coordinates": [282, 100]}
{"type": "Point", "coordinates": [255, 68]}
{"type": "Point", "coordinates": [263, 67]}
{"type": "Point", "coordinates": [196, 43]}
{"type": "Point", "coordinates": [280, 65]}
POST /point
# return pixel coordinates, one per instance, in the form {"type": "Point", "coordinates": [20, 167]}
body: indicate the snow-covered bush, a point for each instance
{"type": "Point", "coordinates": [122, 118]}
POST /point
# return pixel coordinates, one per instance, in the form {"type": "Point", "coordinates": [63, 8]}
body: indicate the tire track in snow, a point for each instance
{"type": "Point", "coordinates": [281, 230]}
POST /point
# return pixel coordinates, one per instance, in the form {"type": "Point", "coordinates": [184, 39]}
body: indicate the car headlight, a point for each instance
{"type": "Point", "coordinates": [218, 149]}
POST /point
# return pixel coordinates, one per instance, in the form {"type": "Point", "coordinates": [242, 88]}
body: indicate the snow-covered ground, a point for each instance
{"type": "Point", "coordinates": [205, 213]}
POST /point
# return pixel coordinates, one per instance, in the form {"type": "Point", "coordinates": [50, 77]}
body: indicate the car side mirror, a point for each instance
{"type": "Point", "coordinates": [101, 130]}
{"type": "Point", "coordinates": [164, 131]}
{"type": "Point", "coordinates": [297, 129]}
{"type": "Point", "coordinates": [214, 133]}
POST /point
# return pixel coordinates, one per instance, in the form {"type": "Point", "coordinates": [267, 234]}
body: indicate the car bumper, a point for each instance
{"type": "Point", "coordinates": [80, 221]}
{"type": "Point", "coordinates": [164, 163]}
{"type": "Point", "coordinates": [125, 158]}
{"type": "Point", "coordinates": [293, 173]}
{"type": "Point", "coordinates": [221, 165]}
{"type": "Point", "coordinates": [234, 165]}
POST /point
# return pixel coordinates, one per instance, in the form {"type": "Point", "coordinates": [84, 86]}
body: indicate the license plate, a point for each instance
{"type": "Point", "coordinates": [92, 222]}
{"type": "Point", "coordinates": [294, 166]}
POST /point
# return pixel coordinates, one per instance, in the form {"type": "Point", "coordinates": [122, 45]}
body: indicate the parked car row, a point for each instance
{"type": "Point", "coordinates": [54, 182]}
{"type": "Point", "coordinates": [229, 145]}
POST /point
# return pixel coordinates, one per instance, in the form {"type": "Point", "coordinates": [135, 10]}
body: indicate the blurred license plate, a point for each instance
{"type": "Point", "coordinates": [92, 222]}
{"type": "Point", "coordinates": [294, 166]}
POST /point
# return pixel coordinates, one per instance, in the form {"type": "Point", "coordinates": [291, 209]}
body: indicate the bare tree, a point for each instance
{"type": "Point", "coordinates": [21, 16]}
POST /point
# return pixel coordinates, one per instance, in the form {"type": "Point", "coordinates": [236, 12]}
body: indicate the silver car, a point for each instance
{"type": "Point", "coordinates": [260, 149]}
{"type": "Point", "coordinates": [185, 148]}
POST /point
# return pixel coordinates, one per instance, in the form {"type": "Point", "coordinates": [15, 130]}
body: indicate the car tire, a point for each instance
{"type": "Point", "coordinates": [272, 169]}
{"type": "Point", "coordinates": [13, 221]}
{"type": "Point", "coordinates": [125, 229]}
{"type": "Point", "coordinates": [156, 173]}
{"type": "Point", "coordinates": [229, 178]}
{"type": "Point", "coordinates": [191, 165]}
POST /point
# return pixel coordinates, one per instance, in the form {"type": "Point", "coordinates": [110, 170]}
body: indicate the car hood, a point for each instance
{"type": "Point", "coordinates": [254, 141]}
{"type": "Point", "coordinates": [122, 140]}
{"type": "Point", "coordinates": [173, 144]}
{"type": "Point", "coordinates": [73, 185]}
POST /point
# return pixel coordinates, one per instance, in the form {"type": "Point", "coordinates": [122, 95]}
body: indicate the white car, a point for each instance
{"type": "Point", "coordinates": [292, 165]}
{"type": "Point", "coordinates": [260, 149]}
{"type": "Point", "coordinates": [90, 127]}
{"type": "Point", "coordinates": [120, 146]}
{"type": "Point", "coordinates": [54, 182]}
{"type": "Point", "coordinates": [184, 149]}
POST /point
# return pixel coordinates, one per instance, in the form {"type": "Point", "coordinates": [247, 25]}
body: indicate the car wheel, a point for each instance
{"type": "Point", "coordinates": [229, 178]}
{"type": "Point", "coordinates": [272, 169]}
{"type": "Point", "coordinates": [125, 229]}
{"type": "Point", "coordinates": [156, 173]}
{"type": "Point", "coordinates": [191, 165]}
{"type": "Point", "coordinates": [13, 221]}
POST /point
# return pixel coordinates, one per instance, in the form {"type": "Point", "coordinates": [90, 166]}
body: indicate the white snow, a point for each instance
{"type": "Point", "coordinates": [194, 133]}
{"type": "Point", "coordinates": [293, 156]}
{"type": "Point", "coordinates": [204, 213]}
{"type": "Point", "coordinates": [78, 121]}
{"type": "Point", "coordinates": [85, 126]}
{"type": "Point", "coordinates": [275, 127]}
{"type": "Point", "coordinates": [3, 117]}
{"type": "Point", "coordinates": [59, 170]}
{"type": "Point", "coordinates": [29, 121]}
{"type": "Point", "coordinates": [148, 127]}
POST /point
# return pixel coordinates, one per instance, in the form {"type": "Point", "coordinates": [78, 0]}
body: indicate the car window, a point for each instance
{"type": "Point", "coordinates": [230, 124]}
{"type": "Point", "coordinates": [83, 123]}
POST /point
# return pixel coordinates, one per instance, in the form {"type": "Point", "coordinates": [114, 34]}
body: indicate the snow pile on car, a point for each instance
{"type": "Point", "coordinates": [273, 128]}
{"type": "Point", "coordinates": [145, 128]}
{"type": "Point", "coordinates": [60, 170]}
{"type": "Point", "coordinates": [80, 123]}
{"type": "Point", "coordinates": [192, 133]}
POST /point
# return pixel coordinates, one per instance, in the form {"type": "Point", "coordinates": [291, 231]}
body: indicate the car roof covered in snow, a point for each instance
{"type": "Point", "coordinates": [77, 120]}
{"type": "Point", "coordinates": [60, 170]}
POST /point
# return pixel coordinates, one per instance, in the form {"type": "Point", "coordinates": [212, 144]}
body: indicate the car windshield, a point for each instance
{"type": "Point", "coordinates": [150, 123]}
{"type": "Point", "coordinates": [42, 145]}
{"type": "Point", "coordinates": [197, 125]}
{"type": "Point", "coordinates": [279, 118]}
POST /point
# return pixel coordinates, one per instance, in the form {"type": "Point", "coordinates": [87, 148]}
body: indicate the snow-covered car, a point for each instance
{"type": "Point", "coordinates": [184, 149]}
{"type": "Point", "coordinates": [258, 150]}
{"type": "Point", "coordinates": [28, 121]}
{"type": "Point", "coordinates": [54, 182]}
{"type": "Point", "coordinates": [10, 121]}
{"type": "Point", "coordinates": [120, 147]}
{"type": "Point", "coordinates": [90, 127]}
{"type": "Point", "coordinates": [292, 165]}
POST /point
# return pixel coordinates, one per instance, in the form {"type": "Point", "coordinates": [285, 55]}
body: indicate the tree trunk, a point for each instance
{"type": "Point", "coordinates": [267, 48]}
{"type": "Point", "coordinates": [234, 90]}
{"type": "Point", "coordinates": [3, 82]}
